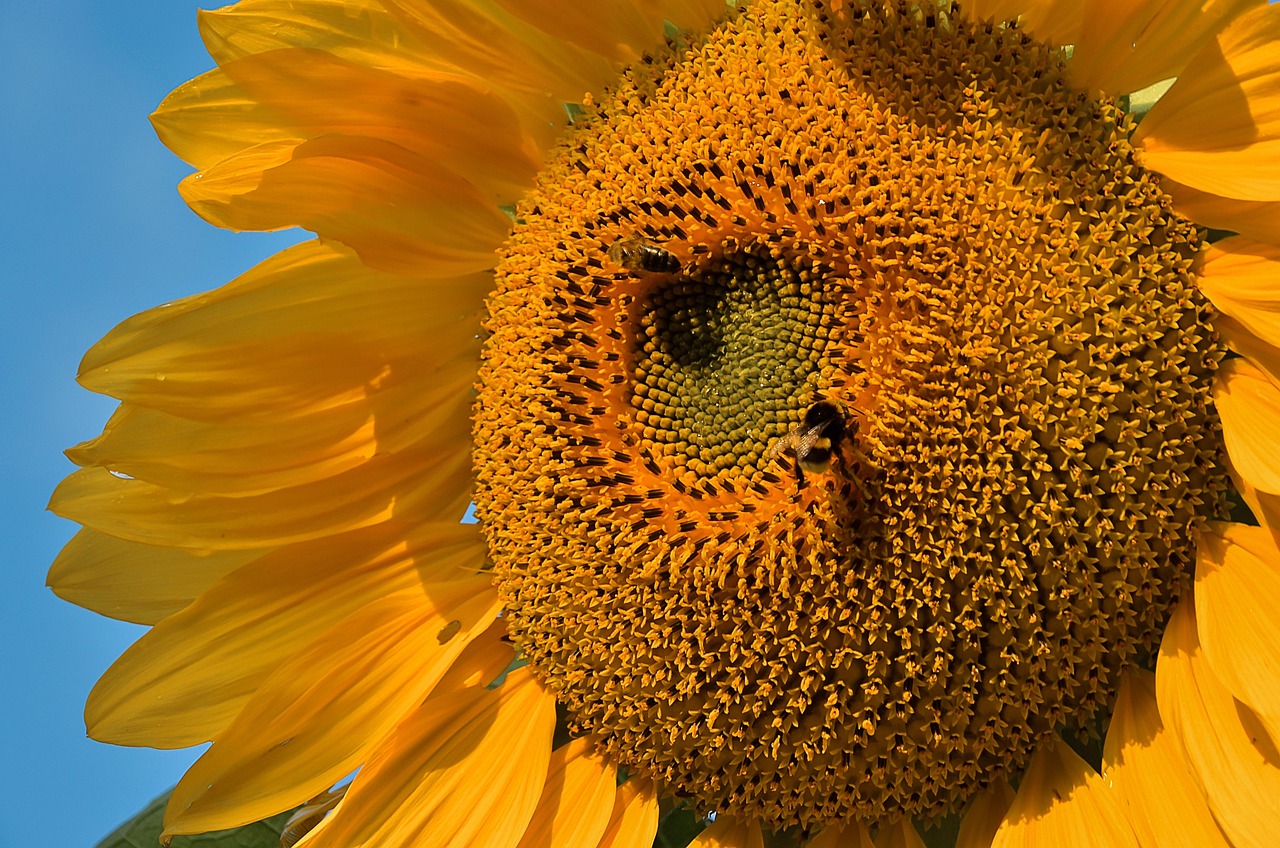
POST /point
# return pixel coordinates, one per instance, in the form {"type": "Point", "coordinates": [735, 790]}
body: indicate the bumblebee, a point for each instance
{"type": "Point", "coordinates": [643, 257]}
{"type": "Point", "coordinates": [815, 441]}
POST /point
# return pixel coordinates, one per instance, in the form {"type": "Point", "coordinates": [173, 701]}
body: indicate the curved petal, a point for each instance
{"type": "Point", "coordinates": [577, 800]}
{"type": "Point", "coordinates": [531, 71]}
{"type": "Point", "coordinates": [318, 716]}
{"type": "Point", "coordinates": [398, 210]}
{"type": "Point", "coordinates": [619, 30]}
{"type": "Point", "coordinates": [1263, 355]}
{"type": "Point", "coordinates": [307, 330]}
{"type": "Point", "coordinates": [236, 460]}
{"type": "Point", "coordinates": [210, 118]}
{"type": "Point", "coordinates": [1146, 768]}
{"type": "Point", "coordinates": [185, 680]}
{"type": "Point", "coordinates": [357, 30]}
{"type": "Point", "coordinates": [485, 660]}
{"type": "Point", "coordinates": [1126, 45]}
{"type": "Point", "coordinates": [634, 820]}
{"type": "Point", "coordinates": [1237, 580]}
{"type": "Point", "coordinates": [1231, 756]}
{"type": "Point", "coordinates": [496, 46]}
{"type": "Point", "coordinates": [465, 771]}
{"type": "Point", "coordinates": [409, 485]}
{"type": "Point", "coordinates": [1253, 218]}
{"type": "Point", "coordinates": [850, 835]}
{"type": "Point", "coordinates": [1218, 128]}
{"type": "Point", "coordinates": [1063, 801]}
{"type": "Point", "coordinates": [445, 118]}
{"type": "Point", "coordinates": [1249, 405]}
{"type": "Point", "coordinates": [1240, 276]}
{"type": "Point", "coordinates": [900, 834]}
{"type": "Point", "coordinates": [730, 832]}
{"type": "Point", "coordinates": [321, 712]}
{"type": "Point", "coordinates": [134, 582]}
{"type": "Point", "coordinates": [984, 814]}
{"type": "Point", "coordinates": [1054, 21]}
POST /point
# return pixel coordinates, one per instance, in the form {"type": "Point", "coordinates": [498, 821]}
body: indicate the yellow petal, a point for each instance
{"type": "Point", "coordinates": [1147, 770]}
{"type": "Point", "coordinates": [1240, 276]}
{"type": "Point", "coordinates": [900, 834]}
{"type": "Point", "coordinates": [398, 210]}
{"type": "Point", "coordinates": [1054, 21]}
{"type": "Point", "coordinates": [489, 655]}
{"type": "Point", "coordinates": [850, 835]}
{"type": "Point", "coordinates": [634, 820]}
{"type": "Point", "coordinates": [1249, 406]}
{"type": "Point", "coordinates": [186, 679]}
{"type": "Point", "coordinates": [319, 714]}
{"type": "Point", "coordinates": [577, 800]}
{"type": "Point", "coordinates": [1126, 45]}
{"type": "Point", "coordinates": [1062, 801]}
{"type": "Point", "coordinates": [432, 413]}
{"type": "Point", "coordinates": [136, 582]}
{"type": "Point", "coordinates": [730, 832]}
{"type": "Point", "coordinates": [309, 329]}
{"type": "Point", "coordinates": [984, 815]}
{"type": "Point", "coordinates": [211, 118]}
{"type": "Point", "coordinates": [410, 485]}
{"type": "Point", "coordinates": [1264, 506]}
{"type": "Point", "coordinates": [615, 29]}
{"type": "Point", "coordinates": [465, 771]}
{"type": "Point", "coordinates": [1218, 128]}
{"type": "Point", "coordinates": [357, 30]}
{"type": "Point", "coordinates": [319, 93]}
{"type": "Point", "coordinates": [498, 47]}
{"type": "Point", "coordinates": [1237, 580]}
{"type": "Point", "coordinates": [1230, 753]}
{"type": "Point", "coordinates": [1263, 355]}
{"type": "Point", "coordinates": [1253, 218]}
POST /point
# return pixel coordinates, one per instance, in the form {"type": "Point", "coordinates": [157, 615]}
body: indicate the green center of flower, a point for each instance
{"type": "Point", "coordinates": [726, 357]}
{"type": "Point", "coordinates": [916, 220]}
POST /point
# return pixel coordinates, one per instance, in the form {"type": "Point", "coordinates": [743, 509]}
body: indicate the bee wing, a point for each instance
{"type": "Point", "coordinates": [781, 445]}
{"type": "Point", "coordinates": [808, 437]}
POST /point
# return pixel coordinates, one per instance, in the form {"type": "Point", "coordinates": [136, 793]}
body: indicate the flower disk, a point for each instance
{"type": "Point", "coordinates": [914, 217]}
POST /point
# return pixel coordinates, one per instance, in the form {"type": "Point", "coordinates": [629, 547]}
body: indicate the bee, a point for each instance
{"type": "Point", "coordinates": [643, 257]}
{"type": "Point", "coordinates": [815, 441]}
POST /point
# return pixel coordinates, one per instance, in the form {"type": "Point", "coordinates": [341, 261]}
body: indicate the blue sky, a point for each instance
{"type": "Point", "coordinates": [91, 231]}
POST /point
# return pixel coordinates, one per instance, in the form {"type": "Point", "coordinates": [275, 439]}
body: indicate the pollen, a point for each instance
{"type": "Point", "coordinates": [915, 218]}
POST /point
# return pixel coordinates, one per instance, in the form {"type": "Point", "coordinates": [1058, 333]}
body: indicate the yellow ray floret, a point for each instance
{"type": "Point", "coordinates": [634, 820]}
{"type": "Point", "coordinates": [1131, 44]}
{"type": "Point", "coordinates": [1063, 801]}
{"type": "Point", "coordinates": [1149, 773]}
{"type": "Point", "coordinates": [983, 817]}
{"type": "Point", "coordinates": [1218, 128]}
{"type": "Point", "coordinates": [1233, 758]}
{"type": "Point", "coordinates": [185, 680]}
{"type": "Point", "coordinates": [577, 801]}
{"type": "Point", "coordinates": [322, 712]}
{"type": "Point", "coordinates": [136, 582]}
{"type": "Point", "coordinates": [464, 771]}
{"type": "Point", "coordinates": [1237, 620]}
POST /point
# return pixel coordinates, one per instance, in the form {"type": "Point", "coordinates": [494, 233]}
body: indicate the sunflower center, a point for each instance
{"type": "Point", "coordinates": [883, 213]}
{"type": "Point", "coordinates": [725, 354]}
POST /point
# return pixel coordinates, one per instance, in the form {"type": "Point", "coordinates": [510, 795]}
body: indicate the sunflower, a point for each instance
{"type": "Point", "coordinates": [853, 396]}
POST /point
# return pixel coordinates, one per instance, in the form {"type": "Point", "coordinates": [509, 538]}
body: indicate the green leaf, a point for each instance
{"type": "Point", "coordinates": [678, 825]}
{"type": "Point", "coordinates": [143, 831]}
{"type": "Point", "coordinates": [1140, 102]}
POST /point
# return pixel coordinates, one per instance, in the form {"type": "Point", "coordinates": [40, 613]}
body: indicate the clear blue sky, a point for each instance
{"type": "Point", "coordinates": [91, 231]}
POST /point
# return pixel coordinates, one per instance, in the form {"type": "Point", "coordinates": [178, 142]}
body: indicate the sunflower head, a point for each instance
{"type": "Point", "coordinates": [918, 217]}
{"type": "Point", "coordinates": [848, 399]}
